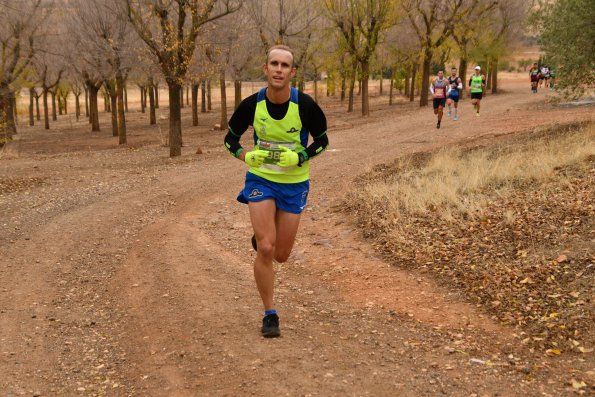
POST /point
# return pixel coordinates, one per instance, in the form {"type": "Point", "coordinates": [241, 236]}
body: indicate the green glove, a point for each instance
{"type": "Point", "coordinates": [288, 158]}
{"type": "Point", "coordinates": [255, 158]}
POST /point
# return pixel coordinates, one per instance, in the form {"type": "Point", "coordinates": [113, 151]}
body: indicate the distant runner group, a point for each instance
{"type": "Point", "coordinates": [540, 76]}
{"type": "Point", "coordinates": [448, 92]}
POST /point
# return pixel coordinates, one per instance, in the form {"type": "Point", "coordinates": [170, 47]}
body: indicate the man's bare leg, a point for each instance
{"type": "Point", "coordinates": [262, 215]}
{"type": "Point", "coordinates": [275, 231]}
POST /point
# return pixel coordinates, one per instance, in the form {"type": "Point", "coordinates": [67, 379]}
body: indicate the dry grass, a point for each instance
{"type": "Point", "coordinates": [456, 182]}
{"type": "Point", "coordinates": [510, 226]}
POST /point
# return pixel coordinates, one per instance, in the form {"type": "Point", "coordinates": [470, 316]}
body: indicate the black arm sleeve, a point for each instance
{"type": "Point", "coordinates": [232, 143]}
{"type": "Point", "coordinates": [314, 121]}
{"type": "Point", "coordinates": [241, 119]}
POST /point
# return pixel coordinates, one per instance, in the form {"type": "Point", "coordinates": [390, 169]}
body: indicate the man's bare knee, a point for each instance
{"type": "Point", "coordinates": [281, 258]}
{"type": "Point", "coordinates": [266, 249]}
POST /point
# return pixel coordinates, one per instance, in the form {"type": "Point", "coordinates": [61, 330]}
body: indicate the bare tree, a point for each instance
{"type": "Point", "coordinates": [466, 33]}
{"type": "Point", "coordinates": [280, 21]}
{"type": "Point", "coordinates": [19, 21]}
{"type": "Point", "coordinates": [172, 39]}
{"type": "Point", "coordinates": [106, 32]}
{"type": "Point", "coordinates": [287, 22]}
{"type": "Point", "coordinates": [360, 23]}
{"type": "Point", "coordinates": [49, 73]}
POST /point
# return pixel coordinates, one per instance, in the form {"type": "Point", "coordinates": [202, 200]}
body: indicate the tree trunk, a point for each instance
{"type": "Point", "coordinates": [463, 74]}
{"type": "Point", "coordinates": [4, 109]}
{"type": "Point", "coordinates": [351, 92]}
{"type": "Point", "coordinates": [77, 105]}
{"type": "Point", "coordinates": [15, 111]}
{"type": "Point", "coordinates": [31, 107]}
{"type": "Point", "coordinates": [343, 87]}
{"type": "Point", "coordinates": [195, 103]}
{"type": "Point", "coordinates": [54, 115]}
{"type": "Point", "coordinates": [390, 88]}
{"type": "Point", "coordinates": [175, 119]}
{"type": "Point", "coordinates": [86, 101]}
{"type": "Point", "coordinates": [93, 107]}
{"type": "Point", "coordinates": [490, 74]}
{"type": "Point", "coordinates": [203, 96]}
{"type": "Point", "coordinates": [37, 112]}
{"type": "Point", "coordinates": [495, 76]}
{"type": "Point", "coordinates": [381, 81]}
{"type": "Point", "coordinates": [143, 102]}
{"type": "Point", "coordinates": [412, 87]}
{"type": "Point", "coordinates": [223, 121]}
{"type": "Point", "coordinates": [365, 93]}
{"type": "Point", "coordinates": [187, 95]}
{"type": "Point", "coordinates": [65, 99]}
{"type": "Point", "coordinates": [11, 119]}
{"type": "Point", "coordinates": [237, 84]}
{"type": "Point", "coordinates": [114, 112]}
{"type": "Point", "coordinates": [125, 98]}
{"type": "Point", "coordinates": [209, 107]}
{"type": "Point", "coordinates": [46, 111]}
{"type": "Point", "coordinates": [60, 106]}
{"type": "Point", "coordinates": [121, 116]}
{"type": "Point", "coordinates": [152, 116]}
{"type": "Point", "coordinates": [182, 97]}
{"type": "Point", "coordinates": [7, 134]}
{"type": "Point", "coordinates": [425, 79]}
{"type": "Point", "coordinates": [407, 85]}
{"type": "Point", "coordinates": [156, 96]}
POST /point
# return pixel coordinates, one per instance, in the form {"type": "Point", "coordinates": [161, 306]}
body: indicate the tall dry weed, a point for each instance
{"type": "Point", "coordinates": [456, 182]}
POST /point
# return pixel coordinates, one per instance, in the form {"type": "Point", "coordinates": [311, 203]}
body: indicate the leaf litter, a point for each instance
{"type": "Point", "coordinates": [526, 258]}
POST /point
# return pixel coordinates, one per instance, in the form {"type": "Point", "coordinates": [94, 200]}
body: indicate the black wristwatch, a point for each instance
{"type": "Point", "coordinates": [301, 159]}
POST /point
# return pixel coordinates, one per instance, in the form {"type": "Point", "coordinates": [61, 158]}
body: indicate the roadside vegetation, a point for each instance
{"type": "Point", "coordinates": [508, 225]}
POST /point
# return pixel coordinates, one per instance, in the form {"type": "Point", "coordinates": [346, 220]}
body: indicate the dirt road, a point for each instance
{"type": "Point", "coordinates": [124, 272]}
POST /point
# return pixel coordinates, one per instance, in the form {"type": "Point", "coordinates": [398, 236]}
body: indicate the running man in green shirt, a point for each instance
{"type": "Point", "coordinates": [277, 181]}
{"type": "Point", "coordinates": [477, 83]}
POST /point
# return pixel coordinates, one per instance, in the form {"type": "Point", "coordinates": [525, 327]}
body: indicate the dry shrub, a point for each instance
{"type": "Point", "coordinates": [459, 182]}
{"type": "Point", "coordinates": [510, 226]}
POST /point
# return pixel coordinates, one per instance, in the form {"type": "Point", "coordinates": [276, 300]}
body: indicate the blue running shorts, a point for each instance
{"type": "Point", "coordinates": [289, 197]}
{"type": "Point", "coordinates": [454, 97]}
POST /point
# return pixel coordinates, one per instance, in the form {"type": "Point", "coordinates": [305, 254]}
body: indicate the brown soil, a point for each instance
{"type": "Point", "coordinates": [124, 272]}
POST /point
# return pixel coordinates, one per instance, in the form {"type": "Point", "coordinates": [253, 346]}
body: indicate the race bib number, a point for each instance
{"type": "Point", "coordinates": [274, 149]}
{"type": "Point", "coordinates": [439, 92]}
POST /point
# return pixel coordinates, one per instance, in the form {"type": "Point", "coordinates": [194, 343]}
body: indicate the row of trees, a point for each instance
{"type": "Point", "coordinates": [57, 47]}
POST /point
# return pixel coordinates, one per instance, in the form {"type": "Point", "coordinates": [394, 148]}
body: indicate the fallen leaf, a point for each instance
{"type": "Point", "coordinates": [578, 385]}
{"type": "Point", "coordinates": [553, 352]}
{"type": "Point", "coordinates": [562, 258]}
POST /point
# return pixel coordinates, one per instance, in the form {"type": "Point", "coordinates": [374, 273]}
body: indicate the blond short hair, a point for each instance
{"type": "Point", "coordinates": [281, 47]}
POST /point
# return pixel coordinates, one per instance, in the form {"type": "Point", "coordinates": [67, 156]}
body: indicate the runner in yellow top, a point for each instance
{"type": "Point", "coordinates": [477, 83]}
{"type": "Point", "coordinates": [277, 181]}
